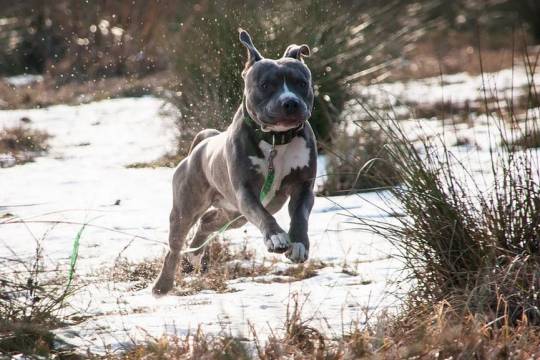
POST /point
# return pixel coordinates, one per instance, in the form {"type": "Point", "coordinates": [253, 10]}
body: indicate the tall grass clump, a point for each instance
{"type": "Point", "coordinates": [349, 41]}
{"type": "Point", "coordinates": [473, 241]}
{"type": "Point", "coordinates": [357, 162]}
{"type": "Point", "coordinates": [34, 300]}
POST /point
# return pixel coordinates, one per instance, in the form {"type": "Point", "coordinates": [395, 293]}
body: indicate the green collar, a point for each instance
{"type": "Point", "coordinates": [272, 137]}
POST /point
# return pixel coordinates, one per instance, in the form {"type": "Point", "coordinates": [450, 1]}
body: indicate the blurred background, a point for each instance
{"type": "Point", "coordinates": [187, 52]}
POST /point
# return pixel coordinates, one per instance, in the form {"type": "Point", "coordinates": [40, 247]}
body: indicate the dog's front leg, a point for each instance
{"type": "Point", "coordinates": [275, 239]}
{"type": "Point", "coordinates": [300, 206]}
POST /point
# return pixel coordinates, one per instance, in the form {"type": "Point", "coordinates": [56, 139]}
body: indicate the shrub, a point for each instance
{"type": "Point", "coordinates": [357, 162]}
{"type": "Point", "coordinates": [22, 143]}
{"type": "Point", "coordinates": [73, 41]}
{"type": "Point", "coordinates": [475, 246]}
{"type": "Point", "coordinates": [211, 57]}
{"type": "Point", "coordinates": [33, 302]}
{"type": "Point", "coordinates": [528, 140]}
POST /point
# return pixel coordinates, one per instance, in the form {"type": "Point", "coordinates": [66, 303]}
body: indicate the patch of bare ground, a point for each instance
{"type": "Point", "coordinates": [468, 111]}
{"type": "Point", "coordinates": [168, 160]}
{"type": "Point", "coordinates": [450, 52]}
{"type": "Point", "coordinates": [21, 144]}
{"type": "Point", "coordinates": [220, 265]}
{"type": "Point", "coordinates": [49, 92]}
{"type": "Point", "coordinates": [293, 273]}
{"type": "Point", "coordinates": [529, 140]}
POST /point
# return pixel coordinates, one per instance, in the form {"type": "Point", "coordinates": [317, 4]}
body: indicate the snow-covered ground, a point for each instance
{"type": "Point", "coordinates": [85, 175]}
{"type": "Point", "coordinates": [84, 180]}
{"type": "Point", "coordinates": [23, 79]}
{"type": "Point", "coordinates": [456, 88]}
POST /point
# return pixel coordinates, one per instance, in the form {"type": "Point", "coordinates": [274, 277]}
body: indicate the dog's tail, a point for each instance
{"type": "Point", "coordinates": [201, 135]}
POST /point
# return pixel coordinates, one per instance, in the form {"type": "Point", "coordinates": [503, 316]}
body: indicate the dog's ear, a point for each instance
{"type": "Point", "coordinates": [253, 53]}
{"type": "Point", "coordinates": [297, 51]}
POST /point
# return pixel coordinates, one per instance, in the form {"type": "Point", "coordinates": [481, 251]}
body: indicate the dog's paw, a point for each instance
{"type": "Point", "coordinates": [162, 287]}
{"type": "Point", "coordinates": [297, 253]}
{"type": "Point", "coordinates": [278, 243]}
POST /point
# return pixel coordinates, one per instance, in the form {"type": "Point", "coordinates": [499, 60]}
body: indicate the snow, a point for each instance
{"type": "Point", "coordinates": [24, 79]}
{"type": "Point", "coordinates": [456, 88]}
{"type": "Point", "coordinates": [84, 175]}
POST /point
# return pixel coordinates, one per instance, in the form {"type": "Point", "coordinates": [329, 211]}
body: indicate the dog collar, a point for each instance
{"type": "Point", "coordinates": [272, 137]}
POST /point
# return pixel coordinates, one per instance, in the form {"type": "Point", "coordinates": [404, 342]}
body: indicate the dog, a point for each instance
{"type": "Point", "coordinates": [222, 177]}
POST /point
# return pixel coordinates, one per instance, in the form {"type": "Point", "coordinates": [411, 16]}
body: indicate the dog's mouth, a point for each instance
{"type": "Point", "coordinates": [282, 125]}
{"type": "Point", "coordinates": [295, 121]}
{"type": "Point", "coordinates": [281, 122]}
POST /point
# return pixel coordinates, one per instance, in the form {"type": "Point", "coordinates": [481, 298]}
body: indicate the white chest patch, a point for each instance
{"type": "Point", "coordinates": [291, 156]}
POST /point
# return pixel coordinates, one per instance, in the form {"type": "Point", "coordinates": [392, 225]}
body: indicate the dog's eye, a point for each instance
{"type": "Point", "coordinates": [264, 85]}
{"type": "Point", "coordinates": [303, 84]}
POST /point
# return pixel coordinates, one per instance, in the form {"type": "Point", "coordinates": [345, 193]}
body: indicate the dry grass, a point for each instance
{"type": "Point", "coordinates": [48, 92]}
{"type": "Point", "coordinates": [192, 346]}
{"type": "Point", "coordinates": [437, 332]}
{"type": "Point", "coordinates": [468, 239]}
{"type": "Point", "coordinates": [434, 332]}
{"type": "Point", "coordinates": [442, 332]}
{"type": "Point", "coordinates": [450, 52]}
{"type": "Point", "coordinates": [22, 143]}
{"type": "Point", "coordinates": [529, 140]}
{"type": "Point", "coordinates": [357, 162]}
{"type": "Point", "coordinates": [301, 271]}
{"type": "Point", "coordinates": [167, 160]}
{"type": "Point", "coordinates": [220, 265]}
{"type": "Point", "coordinates": [468, 111]}
{"type": "Point", "coordinates": [33, 302]}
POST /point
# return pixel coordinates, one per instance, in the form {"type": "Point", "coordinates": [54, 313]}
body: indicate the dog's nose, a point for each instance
{"type": "Point", "coordinates": [291, 106]}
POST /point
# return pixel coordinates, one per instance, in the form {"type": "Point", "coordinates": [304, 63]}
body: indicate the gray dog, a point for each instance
{"type": "Point", "coordinates": [269, 145]}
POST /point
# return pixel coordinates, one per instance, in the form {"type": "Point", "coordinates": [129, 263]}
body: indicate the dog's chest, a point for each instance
{"type": "Point", "coordinates": [288, 157]}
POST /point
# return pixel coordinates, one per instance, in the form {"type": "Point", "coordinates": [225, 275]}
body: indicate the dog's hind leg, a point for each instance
{"type": "Point", "coordinates": [179, 226]}
{"type": "Point", "coordinates": [211, 221]}
{"type": "Point", "coordinates": [187, 208]}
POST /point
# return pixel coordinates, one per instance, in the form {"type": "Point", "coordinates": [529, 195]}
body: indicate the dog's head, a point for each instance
{"type": "Point", "coordinates": [278, 93]}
